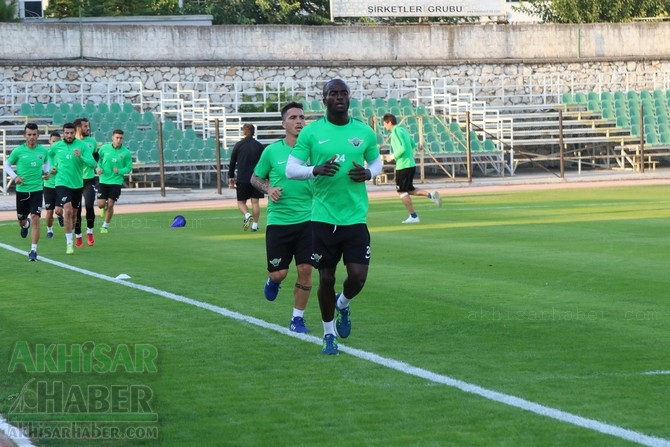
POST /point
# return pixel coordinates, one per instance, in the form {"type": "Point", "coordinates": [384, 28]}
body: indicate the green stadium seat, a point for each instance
{"type": "Point", "coordinates": [90, 108]}
{"type": "Point", "coordinates": [622, 121]}
{"type": "Point", "coordinates": [454, 127]}
{"type": "Point", "coordinates": [357, 113]}
{"type": "Point", "coordinates": [115, 108]}
{"type": "Point", "coordinates": [593, 96]}
{"type": "Point", "coordinates": [148, 117]}
{"type": "Point", "coordinates": [581, 98]}
{"type": "Point", "coordinates": [128, 108]}
{"type": "Point", "coordinates": [51, 108]}
{"type": "Point", "coordinates": [152, 156]}
{"type": "Point", "coordinates": [490, 146]}
{"type": "Point", "coordinates": [168, 125]}
{"type": "Point", "coordinates": [475, 144]}
{"type": "Point", "coordinates": [567, 98]}
{"type": "Point", "coordinates": [190, 134]}
{"type": "Point", "coordinates": [137, 135]}
{"type": "Point", "coordinates": [380, 103]}
{"type": "Point", "coordinates": [103, 108]}
{"type": "Point", "coordinates": [606, 97]}
{"type": "Point", "coordinates": [149, 144]}
{"type": "Point", "coordinates": [181, 155]}
{"type": "Point", "coordinates": [367, 102]}
{"type": "Point", "coordinates": [26, 109]}
{"type": "Point", "coordinates": [96, 118]}
{"type": "Point", "coordinates": [353, 102]}
{"type": "Point", "coordinates": [78, 109]}
{"type": "Point", "coordinates": [421, 110]}
{"type": "Point", "coordinates": [135, 117]}
{"type": "Point", "coordinates": [58, 118]}
{"type": "Point", "coordinates": [141, 156]}
{"type": "Point", "coordinates": [608, 114]}
{"type": "Point", "coordinates": [133, 145]}
{"type": "Point", "coordinates": [208, 153]}
{"type": "Point", "coordinates": [39, 109]}
{"type": "Point", "coordinates": [198, 144]}
{"type": "Point", "coordinates": [652, 138]}
{"type": "Point", "coordinates": [100, 136]}
{"type": "Point", "coordinates": [593, 106]}
{"type": "Point", "coordinates": [665, 138]}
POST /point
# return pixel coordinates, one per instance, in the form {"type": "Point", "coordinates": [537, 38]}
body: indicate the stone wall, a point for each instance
{"type": "Point", "coordinates": [499, 64]}
{"type": "Point", "coordinates": [319, 45]}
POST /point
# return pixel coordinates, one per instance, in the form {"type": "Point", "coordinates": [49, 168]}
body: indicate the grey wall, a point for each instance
{"type": "Point", "coordinates": [330, 45]}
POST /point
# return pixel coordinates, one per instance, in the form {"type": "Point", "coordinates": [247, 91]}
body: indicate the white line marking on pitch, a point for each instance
{"type": "Point", "coordinates": [406, 368]}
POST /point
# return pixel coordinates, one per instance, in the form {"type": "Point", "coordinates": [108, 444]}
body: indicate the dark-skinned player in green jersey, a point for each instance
{"type": "Point", "coordinates": [338, 148]}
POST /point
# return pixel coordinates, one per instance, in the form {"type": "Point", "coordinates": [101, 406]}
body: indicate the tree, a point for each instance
{"type": "Point", "coordinates": [101, 8]}
{"type": "Point", "coordinates": [593, 11]}
{"type": "Point", "coordinates": [258, 12]}
{"type": "Point", "coordinates": [8, 11]}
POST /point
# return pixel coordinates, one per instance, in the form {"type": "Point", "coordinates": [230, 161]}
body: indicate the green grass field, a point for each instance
{"type": "Point", "coordinates": [556, 298]}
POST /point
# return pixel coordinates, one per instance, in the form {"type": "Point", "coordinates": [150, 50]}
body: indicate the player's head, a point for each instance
{"type": "Point", "coordinates": [54, 137]}
{"type": "Point", "coordinates": [117, 138]}
{"type": "Point", "coordinates": [69, 132]}
{"type": "Point", "coordinates": [292, 118]}
{"type": "Point", "coordinates": [389, 121]}
{"type": "Point", "coordinates": [335, 84]}
{"type": "Point", "coordinates": [248, 130]}
{"type": "Point", "coordinates": [85, 127]}
{"type": "Point", "coordinates": [336, 96]}
{"type": "Point", "coordinates": [30, 132]}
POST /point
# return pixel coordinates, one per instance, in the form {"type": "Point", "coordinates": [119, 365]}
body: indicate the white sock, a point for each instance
{"type": "Point", "coordinates": [343, 302]}
{"type": "Point", "coordinates": [68, 238]}
{"type": "Point", "coordinates": [33, 247]}
{"type": "Point", "coordinates": [79, 236]}
{"type": "Point", "coordinates": [27, 225]}
{"type": "Point", "coordinates": [254, 226]}
{"type": "Point", "coordinates": [89, 231]}
{"type": "Point", "coordinates": [329, 327]}
{"type": "Point", "coordinates": [105, 225]}
{"type": "Point", "coordinates": [50, 229]}
{"type": "Point", "coordinates": [298, 313]}
{"type": "Point", "coordinates": [248, 215]}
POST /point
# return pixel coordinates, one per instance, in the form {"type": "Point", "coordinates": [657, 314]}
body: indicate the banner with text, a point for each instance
{"type": "Point", "coordinates": [417, 8]}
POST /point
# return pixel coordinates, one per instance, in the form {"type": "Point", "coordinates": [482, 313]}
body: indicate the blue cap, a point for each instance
{"type": "Point", "coordinates": [179, 221]}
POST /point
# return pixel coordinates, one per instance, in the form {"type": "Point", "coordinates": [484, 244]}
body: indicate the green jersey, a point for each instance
{"type": "Point", "coordinates": [338, 200]}
{"type": "Point", "coordinates": [51, 181]}
{"type": "Point", "coordinates": [69, 166]}
{"type": "Point", "coordinates": [92, 146]}
{"type": "Point", "coordinates": [111, 158]}
{"type": "Point", "coordinates": [29, 166]}
{"type": "Point", "coordinates": [403, 146]}
{"type": "Point", "coordinates": [295, 204]}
